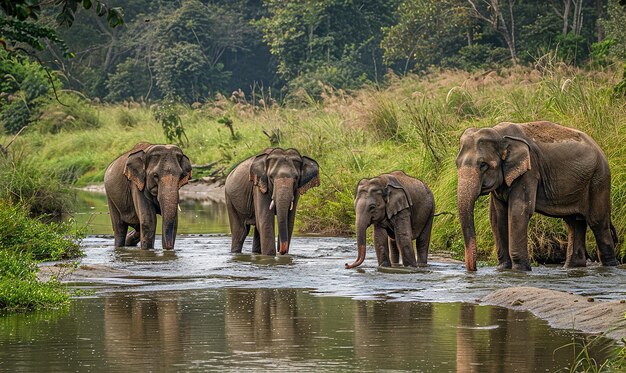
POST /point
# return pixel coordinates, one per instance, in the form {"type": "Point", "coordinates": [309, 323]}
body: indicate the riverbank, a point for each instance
{"type": "Point", "coordinates": [201, 190]}
{"type": "Point", "coordinates": [564, 310]}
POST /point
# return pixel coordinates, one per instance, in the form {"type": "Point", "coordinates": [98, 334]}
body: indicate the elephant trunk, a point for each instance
{"type": "Point", "coordinates": [283, 200]}
{"type": "Point", "coordinates": [168, 200]}
{"type": "Point", "coordinates": [362, 222]}
{"type": "Point", "coordinates": [468, 190]}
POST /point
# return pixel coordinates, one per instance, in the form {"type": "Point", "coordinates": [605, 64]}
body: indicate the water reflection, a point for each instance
{"type": "Point", "coordinates": [146, 333]}
{"type": "Point", "coordinates": [194, 216]}
{"type": "Point", "coordinates": [268, 320]}
{"type": "Point", "coordinates": [135, 254]}
{"type": "Point", "coordinates": [243, 329]}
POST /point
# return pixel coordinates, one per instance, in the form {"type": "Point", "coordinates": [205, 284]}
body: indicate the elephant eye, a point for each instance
{"type": "Point", "coordinates": [484, 166]}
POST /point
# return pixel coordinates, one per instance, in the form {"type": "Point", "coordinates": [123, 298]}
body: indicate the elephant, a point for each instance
{"type": "Point", "coordinates": [263, 186]}
{"type": "Point", "coordinates": [534, 167]}
{"type": "Point", "coordinates": [401, 208]}
{"type": "Point", "coordinates": [141, 183]}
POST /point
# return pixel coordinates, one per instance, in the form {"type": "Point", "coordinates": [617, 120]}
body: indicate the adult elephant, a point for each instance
{"type": "Point", "coordinates": [140, 184]}
{"type": "Point", "coordinates": [263, 187]}
{"type": "Point", "coordinates": [401, 208]}
{"type": "Point", "coordinates": [527, 167]}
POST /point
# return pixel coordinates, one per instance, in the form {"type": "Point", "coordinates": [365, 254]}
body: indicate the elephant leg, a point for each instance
{"type": "Point", "coordinates": [404, 238]}
{"type": "Point", "coordinates": [238, 233]}
{"type": "Point", "coordinates": [265, 225]}
{"type": "Point", "coordinates": [256, 242]}
{"type": "Point", "coordinates": [422, 243]}
{"type": "Point", "coordinates": [134, 236]}
{"type": "Point", "coordinates": [604, 240]}
{"type": "Point", "coordinates": [394, 253]}
{"type": "Point", "coordinates": [119, 227]}
{"type": "Point", "coordinates": [521, 207]}
{"type": "Point", "coordinates": [576, 232]}
{"type": "Point", "coordinates": [381, 242]}
{"type": "Point", "coordinates": [499, 219]}
{"type": "Point", "coordinates": [238, 228]}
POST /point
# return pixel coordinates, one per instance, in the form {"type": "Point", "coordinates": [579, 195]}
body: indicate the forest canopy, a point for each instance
{"type": "Point", "coordinates": [143, 50]}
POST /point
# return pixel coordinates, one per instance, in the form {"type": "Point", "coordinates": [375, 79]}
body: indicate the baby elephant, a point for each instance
{"type": "Point", "coordinates": [142, 183]}
{"type": "Point", "coordinates": [401, 208]}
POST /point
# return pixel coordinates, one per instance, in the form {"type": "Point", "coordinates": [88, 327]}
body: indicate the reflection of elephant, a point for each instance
{"type": "Point", "coordinates": [528, 167]}
{"type": "Point", "coordinates": [142, 183]}
{"type": "Point", "coordinates": [271, 321]}
{"type": "Point", "coordinates": [263, 186]}
{"type": "Point", "coordinates": [135, 327]}
{"type": "Point", "coordinates": [401, 208]}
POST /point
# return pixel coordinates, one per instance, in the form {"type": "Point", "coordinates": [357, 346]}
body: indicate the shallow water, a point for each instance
{"type": "Point", "coordinates": [199, 307]}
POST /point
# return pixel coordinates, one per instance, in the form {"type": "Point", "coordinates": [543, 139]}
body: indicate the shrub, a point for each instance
{"type": "Point", "coordinates": [23, 181]}
{"type": "Point", "coordinates": [72, 113]}
{"type": "Point", "coordinates": [167, 114]}
{"type": "Point", "coordinates": [25, 87]}
{"type": "Point", "coordinates": [20, 290]}
{"type": "Point", "coordinates": [44, 241]}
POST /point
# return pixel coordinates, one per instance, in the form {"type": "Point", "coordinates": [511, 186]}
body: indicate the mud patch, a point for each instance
{"type": "Point", "coordinates": [548, 132]}
{"type": "Point", "coordinates": [69, 272]}
{"type": "Point", "coordinates": [565, 311]}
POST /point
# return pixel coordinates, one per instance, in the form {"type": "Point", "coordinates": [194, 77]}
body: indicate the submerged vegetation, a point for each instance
{"type": "Point", "coordinates": [413, 125]}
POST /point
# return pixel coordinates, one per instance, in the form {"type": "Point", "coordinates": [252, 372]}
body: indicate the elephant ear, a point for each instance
{"type": "Point", "coordinates": [515, 157]}
{"type": "Point", "coordinates": [258, 172]}
{"type": "Point", "coordinates": [185, 164]}
{"type": "Point", "coordinates": [397, 197]}
{"type": "Point", "coordinates": [135, 169]}
{"type": "Point", "coordinates": [309, 175]}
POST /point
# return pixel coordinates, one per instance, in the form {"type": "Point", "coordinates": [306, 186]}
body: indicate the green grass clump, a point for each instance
{"type": "Point", "coordinates": [23, 242]}
{"type": "Point", "coordinates": [19, 288]}
{"type": "Point", "coordinates": [414, 124]}
{"type": "Point", "coordinates": [24, 181]}
{"type": "Point", "coordinates": [43, 241]}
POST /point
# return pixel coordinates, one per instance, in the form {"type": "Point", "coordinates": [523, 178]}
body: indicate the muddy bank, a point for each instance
{"type": "Point", "coordinates": [563, 310]}
{"type": "Point", "coordinates": [197, 190]}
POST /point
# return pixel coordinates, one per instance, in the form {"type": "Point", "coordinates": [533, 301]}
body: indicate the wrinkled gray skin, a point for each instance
{"type": "Point", "coordinates": [401, 208]}
{"type": "Point", "coordinates": [539, 166]}
{"type": "Point", "coordinates": [265, 186]}
{"type": "Point", "coordinates": [139, 185]}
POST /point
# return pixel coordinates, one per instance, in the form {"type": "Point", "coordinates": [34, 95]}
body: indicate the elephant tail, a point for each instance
{"type": "Point", "coordinates": [614, 235]}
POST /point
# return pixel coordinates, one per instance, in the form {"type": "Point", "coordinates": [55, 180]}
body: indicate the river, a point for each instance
{"type": "Point", "coordinates": [199, 307]}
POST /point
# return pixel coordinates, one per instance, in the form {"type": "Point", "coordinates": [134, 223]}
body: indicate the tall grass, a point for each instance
{"type": "Point", "coordinates": [414, 125]}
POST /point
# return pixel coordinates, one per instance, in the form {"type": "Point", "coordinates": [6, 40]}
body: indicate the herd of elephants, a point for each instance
{"type": "Point", "coordinates": [526, 167]}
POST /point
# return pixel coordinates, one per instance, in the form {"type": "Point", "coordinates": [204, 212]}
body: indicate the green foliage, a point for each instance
{"type": "Point", "coordinates": [426, 32]}
{"type": "Point", "coordinates": [70, 113]}
{"type": "Point", "coordinates": [600, 51]}
{"type": "Point", "coordinates": [25, 88]}
{"type": "Point", "coordinates": [131, 79]}
{"type": "Point", "coordinates": [185, 71]}
{"type": "Point", "coordinates": [167, 114]}
{"type": "Point", "coordinates": [23, 181]}
{"type": "Point", "coordinates": [44, 241]}
{"type": "Point", "coordinates": [479, 56]}
{"type": "Point", "coordinates": [333, 41]}
{"type": "Point", "coordinates": [571, 48]}
{"type": "Point", "coordinates": [614, 26]}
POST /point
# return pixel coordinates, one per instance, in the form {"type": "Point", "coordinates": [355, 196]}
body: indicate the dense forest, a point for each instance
{"type": "Point", "coordinates": [191, 50]}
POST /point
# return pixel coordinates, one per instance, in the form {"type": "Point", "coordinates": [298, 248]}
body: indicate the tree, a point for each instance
{"type": "Point", "coordinates": [500, 17]}
{"type": "Point", "coordinates": [19, 22]}
{"type": "Point", "coordinates": [427, 32]}
{"type": "Point", "coordinates": [335, 41]}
